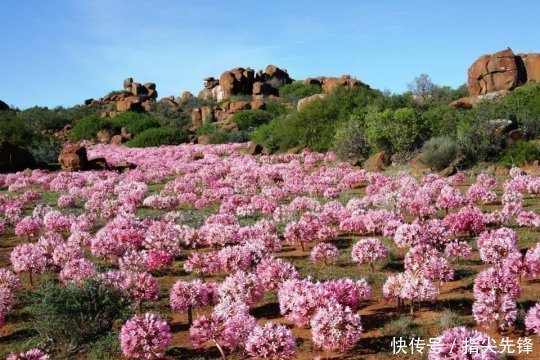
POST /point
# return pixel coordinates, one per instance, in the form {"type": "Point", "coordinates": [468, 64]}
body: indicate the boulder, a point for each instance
{"type": "Point", "coordinates": [73, 158]}
{"type": "Point", "coordinates": [104, 136]}
{"type": "Point", "coordinates": [493, 72]}
{"type": "Point", "coordinates": [117, 140]}
{"type": "Point", "coordinates": [3, 106]}
{"type": "Point", "coordinates": [531, 169]}
{"type": "Point", "coordinates": [127, 83]}
{"type": "Point", "coordinates": [203, 140]}
{"type": "Point", "coordinates": [257, 105]}
{"type": "Point", "coordinates": [276, 77]}
{"type": "Point", "coordinates": [196, 117]}
{"type": "Point", "coordinates": [531, 63]}
{"type": "Point", "coordinates": [236, 106]}
{"type": "Point", "coordinates": [329, 84]}
{"type": "Point", "coordinates": [97, 164]}
{"type": "Point", "coordinates": [303, 102]}
{"type": "Point", "coordinates": [186, 95]}
{"type": "Point", "coordinates": [448, 171]}
{"type": "Point", "coordinates": [470, 101]}
{"type": "Point", "coordinates": [236, 81]}
{"type": "Point", "coordinates": [207, 115]}
{"type": "Point", "coordinates": [377, 162]}
{"type": "Point", "coordinates": [254, 149]}
{"type": "Point", "coordinates": [14, 158]}
{"type": "Point", "coordinates": [502, 171]}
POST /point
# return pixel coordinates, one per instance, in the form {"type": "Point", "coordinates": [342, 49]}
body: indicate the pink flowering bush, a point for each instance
{"type": "Point", "coordinates": [532, 319]}
{"type": "Point", "coordinates": [32, 354]}
{"type": "Point", "coordinates": [456, 250]}
{"type": "Point", "coordinates": [271, 341]}
{"type": "Point", "coordinates": [145, 337]}
{"type": "Point", "coordinates": [324, 253]}
{"type": "Point", "coordinates": [369, 251]}
{"type": "Point", "coordinates": [242, 286]}
{"type": "Point", "coordinates": [452, 344]}
{"type": "Point", "coordinates": [273, 272]}
{"type": "Point", "coordinates": [28, 227]}
{"type": "Point", "coordinates": [300, 299]}
{"type": "Point", "coordinates": [335, 327]}
{"type": "Point", "coordinates": [347, 292]}
{"type": "Point", "coordinates": [28, 258]}
{"type": "Point", "coordinates": [77, 270]}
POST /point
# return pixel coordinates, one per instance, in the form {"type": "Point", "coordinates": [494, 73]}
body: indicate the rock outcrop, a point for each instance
{"type": "Point", "coordinates": [244, 81]}
{"type": "Point", "coordinates": [329, 84]}
{"type": "Point", "coordinates": [134, 97]}
{"type": "Point", "coordinates": [303, 102]}
{"type": "Point", "coordinates": [3, 106]}
{"type": "Point", "coordinates": [491, 77]}
{"type": "Point", "coordinates": [14, 158]}
{"type": "Point", "coordinates": [493, 72]}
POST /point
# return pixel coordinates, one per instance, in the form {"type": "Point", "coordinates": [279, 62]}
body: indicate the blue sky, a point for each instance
{"type": "Point", "coordinates": [62, 52]}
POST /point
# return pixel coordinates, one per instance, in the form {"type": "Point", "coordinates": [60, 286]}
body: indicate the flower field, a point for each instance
{"type": "Point", "coordinates": [220, 254]}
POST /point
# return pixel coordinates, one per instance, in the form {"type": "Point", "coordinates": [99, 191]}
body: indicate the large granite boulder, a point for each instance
{"type": "Point", "coordinates": [14, 158]}
{"type": "Point", "coordinates": [495, 72]}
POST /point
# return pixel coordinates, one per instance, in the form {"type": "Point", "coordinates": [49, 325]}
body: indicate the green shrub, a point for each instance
{"type": "Point", "coordinates": [275, 108]}
{"type": "Point", "coordinates": [520, 153]}
{"type": "Point", "coordinates": [478, 139]}
{"type": "Point", "coordinates": [43, 118]}
{"type": "Point", "coordinates": [316, 124]}
{"type": "Point", "coordinates": [395, 131]}
{"type": "Point", "coordinates": [46, 149]}
{"type": "Point", "coordinates": [157, 137]}
{"type": "Point", "coordinates": [106, 348]}
{"type": "Point", "coordinates": [449, 319]}
{"type": "Point", "coordinates": [349, 141]}
{"type": "Point", "coordinates": [251, 119]}
{"type": "Point", "coordinates": [88, 127]}
{"type": "Point", "coordinates": [276, 135]}
{"type": "Point", "coordinates": [14, 130]}
{"type": "Point", "coordinates": [443, 120]}
{"type": "Point", "coordinates": [403, 327]}
{"type": "Point", "coordinates": [439, 152]}
{"type": "Point", "coordinates": [70, 317]}
{"type": "Point", "coordinates": [134, 122]}
{"type": "Point", "coordinates": [169, 116]}
{"type": "Point", "coordinates": [298, 90]}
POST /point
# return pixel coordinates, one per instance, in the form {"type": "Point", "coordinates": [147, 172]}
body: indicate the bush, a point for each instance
{"type": "Point", "coordinates": [168, 116]}
{"type": "Point", "coordinates": [520, 153]}
{"type": "Point", "coordinates": [278, 135]}
{"type": "Point", "coordinates": [403, 327]}
{"type": "Point", "coordinates": [449, 319]}
{"type": "Point", "coordinates": [478, 139]}
{"type": "Point", "coordinates": [298, 90]}
{"type": "Point", "coordinates": [316, 124]}
{"type": "Point", "coordinates": [42, 118]}
{"type": "Point", "coordinates": [251, 119]}
{"type": "Point", "coordinates": [395, 131]}
{"type": "Point", "coordinates": [439, 152]}
{"type": "Point", "coordinates": [349, 141]}
{"type": "Point", "coordinates": [443, 120]}
{"type": "Point", "coordinates": [275, 108]}
{"type": "Point", "coordinates": [88, 127]}
{"type": "Point", "coordinates": [69, 318]}
{"type": "Point", "coordinates": [14, 130]}
{"type": "Point", "coordinates": [106, 348]}
{"type": "Point", "coordinates": [46, 149]}
{"type": "Point", "coordinates": [134, 122]}
{"type": "Point", "coordinates": [157, 137]}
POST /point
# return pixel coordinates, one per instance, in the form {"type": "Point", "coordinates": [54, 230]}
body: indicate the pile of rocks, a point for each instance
{"type": "Point", "coordinates": [134, 97]}
{"type": "Point", "coordinates": [244, 81]}
{"type": "Point", "coordinates": [492, 76]}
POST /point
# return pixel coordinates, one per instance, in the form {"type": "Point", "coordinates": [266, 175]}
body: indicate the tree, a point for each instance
{"type": "Point", "coordinates": [422, 86]}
